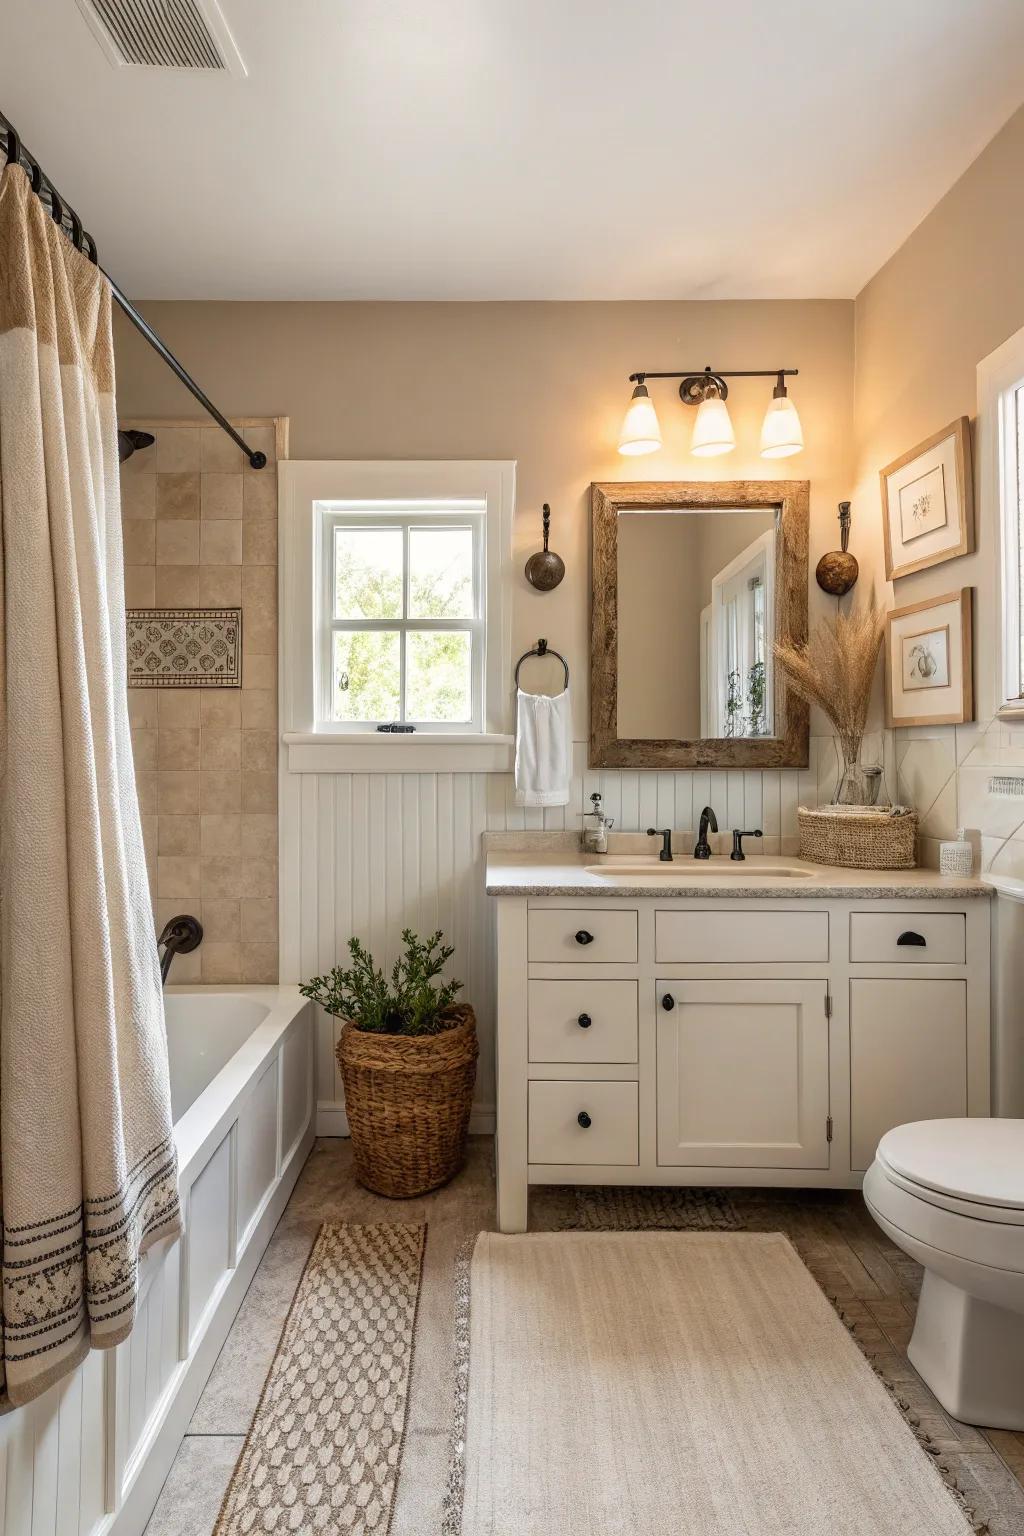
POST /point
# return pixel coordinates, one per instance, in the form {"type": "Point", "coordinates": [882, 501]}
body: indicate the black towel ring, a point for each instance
{"type": "Point", "coordinates": [542, 649]}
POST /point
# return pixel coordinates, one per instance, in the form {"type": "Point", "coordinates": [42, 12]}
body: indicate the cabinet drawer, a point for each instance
{"type": "Point", "coordinates": [922, 938]}
{"type": "Point", "coordinates": [562, 934]}
{"type": "Point", "coordinates": [725, 936]}
{"type": "Point", "coordinates": [584, 1123]}
{"type": "Point", "coordinates": [582, 1020]}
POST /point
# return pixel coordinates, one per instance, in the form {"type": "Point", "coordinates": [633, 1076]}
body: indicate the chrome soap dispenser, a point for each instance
{"type": "Point", "coordinates": [596, 826]}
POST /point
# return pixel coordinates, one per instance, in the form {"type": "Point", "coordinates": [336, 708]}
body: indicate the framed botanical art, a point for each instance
{"type": "Point", "coordinates": [928, 662]}
{"type": "Point", "coordinates": [928, 502]}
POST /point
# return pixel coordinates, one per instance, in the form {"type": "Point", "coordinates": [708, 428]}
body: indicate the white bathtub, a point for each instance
{"type": "Point", "coordinates": [90, 1456]}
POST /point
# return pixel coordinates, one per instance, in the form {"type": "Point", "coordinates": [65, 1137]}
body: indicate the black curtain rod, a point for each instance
{"type": "Point", "coordinates": [67, 220]}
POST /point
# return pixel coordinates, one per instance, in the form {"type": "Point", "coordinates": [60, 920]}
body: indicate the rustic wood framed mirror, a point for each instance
{"type": "Point", "coordinates": [693, 583]}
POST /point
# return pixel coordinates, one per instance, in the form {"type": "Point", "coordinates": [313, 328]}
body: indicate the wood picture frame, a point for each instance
{"type": "Point", "coordinates": [789, 747]}
{"type": "Point", "coordinates": [940, 468]}
{"type": "Point", "coordinates": [951, 701]}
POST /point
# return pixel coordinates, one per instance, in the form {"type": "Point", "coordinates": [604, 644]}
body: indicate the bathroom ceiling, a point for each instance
{"type": "Point", "coordinates": [530, 149]}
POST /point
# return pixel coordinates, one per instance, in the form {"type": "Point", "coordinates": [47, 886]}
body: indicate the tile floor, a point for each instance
{"type": "Point", "coordinates": [876, 1284]}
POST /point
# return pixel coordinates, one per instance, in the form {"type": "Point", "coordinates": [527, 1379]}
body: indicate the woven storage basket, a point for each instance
{"type": "Point", "coordinates": [408, 1099]}
{"type": "Point", "coordinates": [857, 837]}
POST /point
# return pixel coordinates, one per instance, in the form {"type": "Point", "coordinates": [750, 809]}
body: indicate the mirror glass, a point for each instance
{"type": "Point", "coordinates": [696, 610]}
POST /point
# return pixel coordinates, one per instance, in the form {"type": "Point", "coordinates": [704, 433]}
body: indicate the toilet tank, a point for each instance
{"type": "Point", "coordinates": [1007, 995]}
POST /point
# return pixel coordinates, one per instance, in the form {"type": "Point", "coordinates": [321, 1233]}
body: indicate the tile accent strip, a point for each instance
{"type": "Point", "coordinates": [184, 647]}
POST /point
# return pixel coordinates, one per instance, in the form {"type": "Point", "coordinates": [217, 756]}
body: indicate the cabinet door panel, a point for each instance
{"type": "Point", "coordinates": [908, 1057]}
{"type": "Point", "coordinates": [743, 1074]}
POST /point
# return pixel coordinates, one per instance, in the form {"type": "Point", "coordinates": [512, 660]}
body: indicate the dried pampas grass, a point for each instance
{"type": "Point", "coordinates": [835, 669]}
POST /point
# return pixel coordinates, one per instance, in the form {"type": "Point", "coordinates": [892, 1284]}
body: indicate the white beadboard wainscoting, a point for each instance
{"type": "Point", "coordinates": [372, 853]}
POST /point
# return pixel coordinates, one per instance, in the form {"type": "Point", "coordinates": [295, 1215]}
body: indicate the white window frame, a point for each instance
{"type": "Point", "coordinates": [999, 376]}
{"type": "Point", "coordinates": [759, 558]}
{"type": "Point", "coordinates": [307, 487]}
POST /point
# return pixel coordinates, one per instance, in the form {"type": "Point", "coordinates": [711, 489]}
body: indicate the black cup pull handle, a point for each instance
{"type": "Point", "coordinates": [584, 1021]}
{"type": "Point", "coordinates": [914, 940]}
{"type": "Point", "coordinates": [583, 937]}
{"type": "Point", "coordinates": [583, 1120]}
{"type": "Point", "coordinates": [668, 1002]}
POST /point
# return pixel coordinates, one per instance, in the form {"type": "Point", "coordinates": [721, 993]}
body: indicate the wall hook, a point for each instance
{"type": "Point", "coordinates": [545, 569]}
{"type": "Point", "coordinates": [837, 571]}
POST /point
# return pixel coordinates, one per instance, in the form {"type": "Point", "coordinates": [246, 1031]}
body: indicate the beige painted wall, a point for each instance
{"type": "Point", "coordinates": [545, 384]}
{"type": "Point", "coordinates": [660, 599]}
{"type": "Point", "coordinates": [951, 295]}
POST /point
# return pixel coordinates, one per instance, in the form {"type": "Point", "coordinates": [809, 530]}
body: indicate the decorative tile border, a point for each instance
{"type": "Point", "coordinates": [184, 647]}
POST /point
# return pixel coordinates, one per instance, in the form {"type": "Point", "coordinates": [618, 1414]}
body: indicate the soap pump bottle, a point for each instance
{"type": "Point", "coordinates": [596, 826]}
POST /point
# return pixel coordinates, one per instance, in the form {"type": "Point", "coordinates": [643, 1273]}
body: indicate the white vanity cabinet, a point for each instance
{"type": "Point", "coordinates": [727, 1039]}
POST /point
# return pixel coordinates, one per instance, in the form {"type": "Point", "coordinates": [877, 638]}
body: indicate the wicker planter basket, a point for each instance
{"type": "Point", "coordinates": [858, 837]}
{"type": "Point", "coordinates": [408, 1099]}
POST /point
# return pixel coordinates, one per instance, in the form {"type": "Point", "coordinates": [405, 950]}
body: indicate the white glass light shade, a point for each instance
{"type": "Point", "coordinates": [712, 430]}
{"type": "Point", "coordinates": [640, 431]}
{"type": "Point", "coordinates": [782, 433]}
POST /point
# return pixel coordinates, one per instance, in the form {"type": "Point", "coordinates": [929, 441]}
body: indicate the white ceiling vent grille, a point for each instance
{"type": "Point", "coordinates": [163, 34]}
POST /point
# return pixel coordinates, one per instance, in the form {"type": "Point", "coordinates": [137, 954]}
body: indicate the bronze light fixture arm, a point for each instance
{"type": "Point", "coordinates": [696, 380]}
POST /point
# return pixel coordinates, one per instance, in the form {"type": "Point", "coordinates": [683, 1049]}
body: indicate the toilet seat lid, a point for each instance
{"type": "Point", "coordinates": [977, 1159]}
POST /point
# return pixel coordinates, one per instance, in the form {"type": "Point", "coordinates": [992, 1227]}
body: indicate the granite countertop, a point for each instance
{"type": "Point", "coordinates": [551, 864]}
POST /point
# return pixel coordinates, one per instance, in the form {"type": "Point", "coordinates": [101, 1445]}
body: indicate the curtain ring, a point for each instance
{"type": "Point", "coordinates": [37, 177]}
{"type": "Point", "coordinates": [77, 231]}
{"type": "Point", "coordinates": [56, 207]}
{"type": "Point", "coordinates": [13, 146]}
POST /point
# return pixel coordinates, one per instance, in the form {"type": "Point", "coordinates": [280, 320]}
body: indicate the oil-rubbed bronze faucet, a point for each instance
{"type": "Point", "coordinates": [737, 841]}
{"type": "Point", "coordinates": [665, 833]}
{"type": "Point", "coordinates": [707, 819]}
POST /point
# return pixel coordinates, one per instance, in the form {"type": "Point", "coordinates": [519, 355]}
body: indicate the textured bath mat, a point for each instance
{"type": "Point", "coordinates": [608, 1208]}
{"type": "Point", "coordinates": [324, 1448]}
{"type": "Point", "coordinates": [694, 1381]}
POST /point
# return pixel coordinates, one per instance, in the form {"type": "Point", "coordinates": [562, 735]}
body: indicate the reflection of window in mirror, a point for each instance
{"type": "Point", "coordinates": [696, 622]}
{"type": "Point", "coordinates": [1001, 429]}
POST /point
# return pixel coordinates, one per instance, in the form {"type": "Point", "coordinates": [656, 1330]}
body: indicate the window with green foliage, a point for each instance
{"type": "Point", "coordinates": [403, 631]}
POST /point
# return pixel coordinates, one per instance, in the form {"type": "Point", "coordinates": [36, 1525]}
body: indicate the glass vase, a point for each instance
{"type": "Point", "coordinates": [858, 783]}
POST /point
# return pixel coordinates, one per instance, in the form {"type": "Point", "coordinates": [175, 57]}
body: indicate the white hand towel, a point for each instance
{"type": "Point", "coordinates": [543, 748]}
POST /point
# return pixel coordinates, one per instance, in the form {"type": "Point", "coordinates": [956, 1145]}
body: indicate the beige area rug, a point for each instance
{"type": "Point", "coordinates": [663, 1384]}
{"type": "Point", "coordinates": [325, 1446]}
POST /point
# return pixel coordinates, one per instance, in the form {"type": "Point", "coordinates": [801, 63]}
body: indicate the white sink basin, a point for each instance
{"type": "Point", "coordinates": [683, 869]}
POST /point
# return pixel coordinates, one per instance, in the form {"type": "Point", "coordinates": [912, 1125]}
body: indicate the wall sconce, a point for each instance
{"type": "Point", "coordinates": [781, 433]}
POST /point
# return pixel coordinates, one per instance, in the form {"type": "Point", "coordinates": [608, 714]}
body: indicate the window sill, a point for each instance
{"type": "Point", "coordinates": [378, 752]}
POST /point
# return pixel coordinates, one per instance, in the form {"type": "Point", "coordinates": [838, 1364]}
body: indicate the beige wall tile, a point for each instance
{"type": "Point", "coordinates": [178, 792]}
{"type": "Point", "coordinates": [220, 791]}
{"type": "Point", "coordinates": [146, 782]}
{"type": "Point", "coordinates": [259, 877]}
{"type": "Point", "coordinates": [259, 709]}
{"type": "Point", "coordinates": [259, 543]}
{"type": "Point", "coordinates": [177, 876]}
{"type": "Point", "coordinates": [260, 671]}
{"type": "Point", "coordinates": [177, 448]}
{"type": "Point", "coordinates": [222, 876]}
{"type": "Point", "coordinates": [140, 586]}
{"type": "Point", "coordinates": [138, 496]}
{"type": "Point", "coordinates": [142, 708]}
{"type": "Point", "coordinates": [178, 834]}
{"type": "Point", "coordinates": [178, 707]}
{"type": "Point", "coordinates": [142, 461]}
{"type": "Point", "coordinates": [144, 748]}
{"type": "Point", "coordinates": [220, 833]}
{"type": "Point", "coordinates": [221, 542]}
{"type": "Point", "coordinates": [221, 920]}
{"type": "Point", "coordinates": [139, 539]}
{"type": "Point", "coordinates": [222, 496]}
{"type": "Point", "coordinates": [221, 962]}
{"type": "Point", "coordinates": [177, 586]}
{"type": "Point", "coordinates": [259, 792]}
{"type": "Point", "coordinates": [177, 543]}
{"type": "Point", "coordinates": [178, 748]}
{"type": "Point", "coordinates": [259, 919]}
{"type": "Point", "coordinates": [178, 497]}
{"type": "Point", "coordinates": [259, 493]}
{"type": "Point", "coordinates": [220, 586]}
{"type": "Point", "coordinates": [260, 440]}
{"type": "Point", "coordinates": [259, 963]}
{"type": "Point", "coordinates": [221, 709]}
{"type": "Point", "coordinates": [259, 750]}
{"type": "Point", "coordinates": [259, 834]}
{"type": "Point", "coordinates": [218, 453]}
{"type": "Point", "coordinates": [221, 750]}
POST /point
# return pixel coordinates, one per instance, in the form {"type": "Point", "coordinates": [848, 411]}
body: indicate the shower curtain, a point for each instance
{"type": "Point", "coordinates": [88, 1176]}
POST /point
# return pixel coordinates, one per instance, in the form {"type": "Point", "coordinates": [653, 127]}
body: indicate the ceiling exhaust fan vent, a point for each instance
{"type": "Point", "coordinates": [163, 34]}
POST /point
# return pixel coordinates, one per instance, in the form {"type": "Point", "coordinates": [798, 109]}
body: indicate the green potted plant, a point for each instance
{"type": "Point", "coordinates": [407, 1055]}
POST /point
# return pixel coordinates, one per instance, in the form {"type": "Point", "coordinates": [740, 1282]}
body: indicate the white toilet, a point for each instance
{"type": "Point", "coordinates": [951, 1194]}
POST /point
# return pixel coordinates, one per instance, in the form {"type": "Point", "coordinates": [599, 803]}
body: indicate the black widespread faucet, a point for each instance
{"type": "Point", "coordinates": [707, 819]}
{"type": "Point", "coordinates": [665, 833]}
{"type": "Point", "coordinates": [737, 841]}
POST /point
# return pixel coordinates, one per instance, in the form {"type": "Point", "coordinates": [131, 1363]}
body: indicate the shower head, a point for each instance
{"type": "Point", "coordinates": [130, 439]}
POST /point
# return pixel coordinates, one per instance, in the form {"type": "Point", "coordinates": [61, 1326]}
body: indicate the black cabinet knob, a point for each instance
{"type": "Point", "coordinates": [914, 940]}
{"type": "Point", "coordinates": [584, 1021]}
{"type": "Point", "coordinates": [583, 937]}
{"type": "Point", "coordinates": [583, 1120]}
{"type": "Point", "coordinates": [668, 1002]}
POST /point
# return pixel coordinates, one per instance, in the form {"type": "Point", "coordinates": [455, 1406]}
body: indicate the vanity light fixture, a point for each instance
{"type": "Point", "coordinates": [713, 433]}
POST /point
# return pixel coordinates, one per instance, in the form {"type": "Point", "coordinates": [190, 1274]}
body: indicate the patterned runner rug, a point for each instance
{"type": "Point", "coordinates": [324, 1449]}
